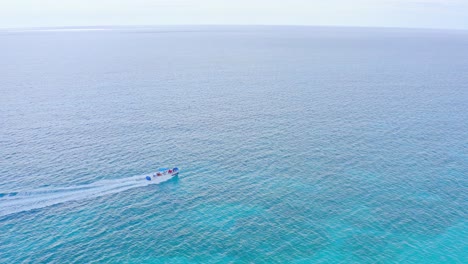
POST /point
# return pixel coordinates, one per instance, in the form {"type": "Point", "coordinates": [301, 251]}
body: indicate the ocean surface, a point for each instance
{"type": "Point", "coordinates": [296, 145]}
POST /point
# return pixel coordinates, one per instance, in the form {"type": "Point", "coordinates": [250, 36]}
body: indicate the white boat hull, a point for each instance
{"type": "Point", "coordinates": [162, 176]}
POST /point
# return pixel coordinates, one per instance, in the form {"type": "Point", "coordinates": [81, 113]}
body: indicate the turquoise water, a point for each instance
{"type": "Point", "coordinates": [296, 145]}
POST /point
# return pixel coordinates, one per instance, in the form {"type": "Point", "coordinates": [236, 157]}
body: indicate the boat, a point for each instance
{"type": "Point", "coordinates": [164, 173]}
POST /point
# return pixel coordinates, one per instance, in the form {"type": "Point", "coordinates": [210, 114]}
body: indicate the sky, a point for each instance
{"type": "Point", "coordinates": [452, 14]}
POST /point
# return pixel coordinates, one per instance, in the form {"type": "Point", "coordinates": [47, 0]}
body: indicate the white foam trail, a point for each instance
{"type": "Point", "coordinates": [43, 197]}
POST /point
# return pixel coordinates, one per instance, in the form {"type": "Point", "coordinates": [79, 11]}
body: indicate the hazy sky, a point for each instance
{"type": "Point", "coordinates": [390, 13]}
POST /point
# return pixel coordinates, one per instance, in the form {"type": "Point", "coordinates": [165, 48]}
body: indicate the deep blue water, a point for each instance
{"type": "Point", "coordinates": [296, 144]}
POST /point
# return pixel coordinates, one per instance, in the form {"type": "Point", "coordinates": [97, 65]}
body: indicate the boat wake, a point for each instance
{"type": "Point", "coordinates": [15, 202]}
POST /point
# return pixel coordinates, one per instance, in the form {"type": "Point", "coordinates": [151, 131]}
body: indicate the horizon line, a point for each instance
{"type": "Point", "coordinates": [109, 27]}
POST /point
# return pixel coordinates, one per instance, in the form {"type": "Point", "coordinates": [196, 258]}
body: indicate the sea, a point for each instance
{"type": "Point", "coordinates": [295, 145]}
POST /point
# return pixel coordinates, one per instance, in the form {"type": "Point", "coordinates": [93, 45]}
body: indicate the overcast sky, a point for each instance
{"type": "Point", "coordinates": [388, 13]}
